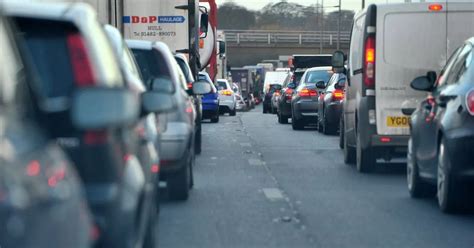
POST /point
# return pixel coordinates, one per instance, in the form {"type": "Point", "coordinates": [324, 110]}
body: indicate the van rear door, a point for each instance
{"type": "Point", "coordinates": [411, 40]}
{"type": "Point", "coordinates": [459, 26]}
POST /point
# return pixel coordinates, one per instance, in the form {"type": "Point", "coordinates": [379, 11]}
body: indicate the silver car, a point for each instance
{"type": "Point", "coordinates": [161, 72]}
{"type": "Point", "coordinates": [228, 102]}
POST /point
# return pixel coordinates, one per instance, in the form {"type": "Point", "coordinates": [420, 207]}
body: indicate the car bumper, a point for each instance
{"type": "Point", "coordinates": [333, 113]}
{"type": "Point", "coordinates": [306, 109]}
{"type": "Point", "coordinates": [227, 104]}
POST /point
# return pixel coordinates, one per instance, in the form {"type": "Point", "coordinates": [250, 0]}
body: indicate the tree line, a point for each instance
{"type": "Point", "coordinates": [283, 16]}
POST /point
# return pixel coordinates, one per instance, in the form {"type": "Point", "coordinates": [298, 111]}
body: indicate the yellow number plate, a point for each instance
{"type": "Point", "coordinates": [398, 121]}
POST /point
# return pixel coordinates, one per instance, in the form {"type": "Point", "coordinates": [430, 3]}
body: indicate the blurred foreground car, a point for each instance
{"type": "Point", "coordinates": [210, 101]}
{"type": "Point", "coordinates": [41, 193]}
{"type": "Point", "coordinates": [161, 72]}
{"type": "Point", "coordinates": [71, 54]}
{"type": "Point", "coordinates": [304, 103]}
{"type": "Point", "coordinates": [441, 146]}
{"type": "Point", "coordinates": [330, 104]}
{"type": "Point", "coordinates": [227, 102]}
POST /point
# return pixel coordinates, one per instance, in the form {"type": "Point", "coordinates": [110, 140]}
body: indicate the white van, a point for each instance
{"type": "Point", "coordinates": [390, 45]}
{"type": "Point", "coordinates": [275, 77]}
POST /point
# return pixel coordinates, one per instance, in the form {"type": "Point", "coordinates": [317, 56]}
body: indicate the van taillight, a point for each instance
{"type": "Point", "coordinates": [80, 61]}
{"type": "Point", "coordinates": [435, 7]}
{"type": "Point", "coordinates": [369, 62]}
{"type": "Point", "coordinates": [470, 102]}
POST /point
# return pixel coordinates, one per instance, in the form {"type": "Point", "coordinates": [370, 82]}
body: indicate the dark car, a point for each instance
{"type": "Point", "coordinates": [441, 146]}
{"type": "Point", "coordinates": [330, 104]}
{"type": "Point", "coordinates": [68, 61]}
{"type": "Point", "coordinates": [304, 103]}
{"type": "Point", "coordinates": [197, 100]}
{"type": "Point", "coordinates": [284, 102]}
{"type": "Point", "coordinates": [35, 173]}
{"type": "Point", "coordinates": [267, 99]}
{"type": "Point", "coordinates": [210, 101]}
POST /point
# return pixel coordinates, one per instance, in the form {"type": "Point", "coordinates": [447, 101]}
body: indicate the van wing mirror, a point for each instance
{"type": "Point", "coordinates": [422, 83]}
{"type": "Point", "coordinates": [338, 59]}
{"type": "Point", "coordinates": [204, 24]}
{"type": "Point", "coordinates": [98, 108]}
{"type": "Point", "coordinates": [222, 47]}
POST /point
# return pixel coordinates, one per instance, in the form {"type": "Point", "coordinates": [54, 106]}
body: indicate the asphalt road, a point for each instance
{"type": "Point", "coordinates": [261, 184]}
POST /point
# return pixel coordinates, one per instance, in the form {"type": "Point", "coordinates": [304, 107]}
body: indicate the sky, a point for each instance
{"type": "Point", "coordinates": [346, 4]}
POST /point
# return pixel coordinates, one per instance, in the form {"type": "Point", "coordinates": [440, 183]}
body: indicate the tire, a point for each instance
{"type": "Point", "coordinates": [349, 153]}
{"type": "Point", "coordinates": [365, 160]}
{"type": "Point", "coordinates": [416, 186]}
{"type": "Point", "coordinates": [451, 193]}
{"type": "Point", "coordinates": [341, 133]}
{"type": "Point", "coordinates": [264, 109]}
{"type": "Point", "coordinates": [233, 112]}
{"type": "Point", "coordinates": [151, 236]}
{"type": "Point", "coordinates": [296, 124]}
{"type": "Point", "coordinates": [198, 140]}
{"type": "Point", "coordinates": [279, 118]}
{"type": "Point", "coordinates": [179, 183]}
{"type": "Point", "coordinates": [284, 119]}
{"type": "Point", "coordinates": [320, 125]}
{"type": "Point", "coordinates": [215, 118]}
{"type": "Point", "coordinates": [326, 128]}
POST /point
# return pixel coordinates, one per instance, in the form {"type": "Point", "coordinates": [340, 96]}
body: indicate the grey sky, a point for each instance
{"type": "Point", "coordinates": [346, 4]}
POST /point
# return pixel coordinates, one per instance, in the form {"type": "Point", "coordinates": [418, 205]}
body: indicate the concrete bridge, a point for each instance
{"type": "Point", "coordinates": [249, 47]}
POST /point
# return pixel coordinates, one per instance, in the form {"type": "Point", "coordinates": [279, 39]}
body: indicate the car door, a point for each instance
{"type": "Point", "coordinates": [323, 93]}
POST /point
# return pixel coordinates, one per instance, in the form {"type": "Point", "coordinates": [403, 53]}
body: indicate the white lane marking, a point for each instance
{"type": "Point", "coordinates": [245, 144]}
{"type": "Point", "coordinates": [273, 194]}
{"type": "Point", "coordinates": [256, 162]}
{"type": "Point", "coordinates": [213, 158]}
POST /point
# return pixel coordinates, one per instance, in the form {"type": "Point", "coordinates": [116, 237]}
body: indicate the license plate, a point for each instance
{"type": "Point", "coordinates": [398, 121]}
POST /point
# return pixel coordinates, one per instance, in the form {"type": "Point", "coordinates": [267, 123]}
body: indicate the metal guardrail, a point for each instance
{"type": "Point", "coordinates": [262, 37]}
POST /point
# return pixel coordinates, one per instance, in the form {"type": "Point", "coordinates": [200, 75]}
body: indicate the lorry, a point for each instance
{"type": "Point", "coordinates": [243, 78]}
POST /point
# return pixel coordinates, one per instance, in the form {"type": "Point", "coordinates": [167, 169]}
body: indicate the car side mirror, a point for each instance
{"type": "Point", "coordinates": [422, 83]}
{"type": "Point", "coordinates": [201, 88]}
{"type": "Point", "coordinates": [292, 86]}
{"type": "Point", "coordinates": [337, 61]}
{"type": "Point", "coordinates": [97, 108]}
{"type": "Point", "coordinates": [157, 102]}
{"type": "Point", "coordinates": [321, 85]}
{"type": "Point", "coordinates": [163, 85]}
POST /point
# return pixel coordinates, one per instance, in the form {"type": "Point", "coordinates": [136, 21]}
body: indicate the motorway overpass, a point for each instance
{"type": "Point", "coordinates": [249, 47]}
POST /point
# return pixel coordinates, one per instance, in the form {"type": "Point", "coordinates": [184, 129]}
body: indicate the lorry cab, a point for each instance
{"type": "Point", "coordinates": [390, 45]}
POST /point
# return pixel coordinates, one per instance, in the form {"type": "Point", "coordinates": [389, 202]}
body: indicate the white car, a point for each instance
{"type": "Point", "coordinates": [228, 102]}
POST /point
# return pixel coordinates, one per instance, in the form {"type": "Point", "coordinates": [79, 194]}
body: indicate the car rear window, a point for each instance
{"type": "Point", "coordinates": [222, 85]}
{"type": "Point", "coordinates": [46, 42]}
{"type": "Point", "coordinates": [151, 66]}
{"type": "Point", "coordinates": [316, 76]}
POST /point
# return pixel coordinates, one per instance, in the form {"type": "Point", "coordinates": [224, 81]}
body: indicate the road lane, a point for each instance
{"type": "Point", "coordinates": [261, 184]}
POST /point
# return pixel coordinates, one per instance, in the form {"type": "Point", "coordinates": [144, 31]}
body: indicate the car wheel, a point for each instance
{"type": "Point", "coordinates": [326, 128]}
{"type": "Point", "coordinates": [179, 183]}
{"type": "Point", "coordinates": [151, 237]}
{"type": "Point", "coordinates": [215, 118]}
{"type": "Point", "coordinates": [365, 159]}
{"type": "Point", "coordinates": [450, 191]}
{"type": "Point", "coordinates": [296, 124]}
{"type": "Point", "coordinates": [284, 119]}
{"type": "Point", "coordinates": [416, 187]}
{"type": "Point", "coordinates": [233, 112]}
{"type": "Point", "coordinates": [198, 140]}
{"type": "Point", "coordinates": [341, 133]}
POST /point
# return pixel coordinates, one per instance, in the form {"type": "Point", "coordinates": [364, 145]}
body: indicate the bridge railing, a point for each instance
{"type": "Point", "coordinates": [275, 37]}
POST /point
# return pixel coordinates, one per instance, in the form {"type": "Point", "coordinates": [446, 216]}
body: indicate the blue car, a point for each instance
{"type": "Point", "coordinates": [210, 102]}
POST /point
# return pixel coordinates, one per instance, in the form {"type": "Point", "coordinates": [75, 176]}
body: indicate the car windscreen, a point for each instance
{"type": "Point", "coordinates": [151, 65]}
{"type": "Point", "coordinates": [316, 76]}
{"type": "Point", "coordinates": [46, 43]}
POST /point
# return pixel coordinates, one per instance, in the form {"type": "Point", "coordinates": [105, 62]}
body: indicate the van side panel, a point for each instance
{"type": "Point", "coordinates": [411, 41]}
{"type": "Point", "coordinates": [460, 26]}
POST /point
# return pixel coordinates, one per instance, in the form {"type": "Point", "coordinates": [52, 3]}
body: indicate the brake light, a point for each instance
{"type": "Point", "coordinates": [307, 93]}
{"type": "Point", "coordinates": [369, 62]}
{"type": "Point", "coordinates": [95, 137]}
{"type": "Point", "coordinates": [289, 94]}
{"type": "Point", "coordinates": [435, 7]}
{"type": "Point", "coordinates": [385, 139]}
{"type": "Point", "coordinates": [470, 102]}
{"type": "Point", "coordinates": [190, 85]}
{"type": "Point", "coordinates": [81, 63]}
{"type": "Point", "coordinates": [337, 95]}
{"type": "Point", "coordinates": [277, 92]}
{"type": "Point", "coordinates": [155, 168]}
{"type": "Point", "coordinates": [227, 93]}
{"type": "Point", "coordinates": [33, 168]}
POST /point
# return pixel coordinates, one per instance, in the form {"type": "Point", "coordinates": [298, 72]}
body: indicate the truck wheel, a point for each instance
{"type": "Point", "coordinates": [416, 186]}
{"type": "Point", "coordinates": [365, 159]}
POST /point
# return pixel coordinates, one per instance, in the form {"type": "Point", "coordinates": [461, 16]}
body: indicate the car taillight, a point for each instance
{"type": "Point", "coordinates": [337, 95]}
{"type": "Point", "coordinates": [190, 86]}
{"type": "Point", "coordinates": [470, 102]}
{"type": "Point", "coordinates": [95, 137]}
{"type": "Point", "coordinates": [277, 92]}
{"type": "Point", "coordinates": [80, 61]}
{"type": "Point", "coordinates": [307, 93]}
{"type": "Point", "coordinates": [288, 94]}
{"type": "Point", "coordinates": [227, 93]}
{"type": "Point", "coordinates": [369, 62]}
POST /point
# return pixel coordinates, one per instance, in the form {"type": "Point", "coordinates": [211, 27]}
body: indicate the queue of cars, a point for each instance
{"type": "Point", "coordinates": [89, 126]}
{"type": "Point", "coordinates": [387, 100]}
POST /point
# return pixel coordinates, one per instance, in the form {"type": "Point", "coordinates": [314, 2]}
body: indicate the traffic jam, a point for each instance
{"type": "Point", "coordinates": [136, 123]}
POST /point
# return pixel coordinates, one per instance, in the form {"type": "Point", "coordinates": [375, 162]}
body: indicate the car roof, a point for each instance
{"type": "Point", "coordinates": [320, 68]}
